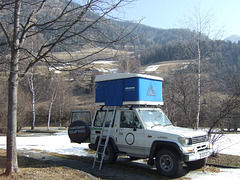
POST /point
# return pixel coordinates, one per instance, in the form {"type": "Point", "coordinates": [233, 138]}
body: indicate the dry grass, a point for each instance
{"type": "Point", "coordinates": [101, 54]}
{"type": "Point", "coordinates": [225, 160]}
{"type": "Point", "coordinates": [36, 169]}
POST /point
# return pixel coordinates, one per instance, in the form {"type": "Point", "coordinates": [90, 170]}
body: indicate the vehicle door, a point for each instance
{"type": "Point", "coordinates": [98, 123]}
{"type": "Point", "coordinates": [130, 138]}
{"type": "Point", "coordinates": [85, 116]}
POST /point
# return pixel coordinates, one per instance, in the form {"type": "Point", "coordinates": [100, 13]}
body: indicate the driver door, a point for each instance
{"type": "Point", "coordinates": [130, 133]}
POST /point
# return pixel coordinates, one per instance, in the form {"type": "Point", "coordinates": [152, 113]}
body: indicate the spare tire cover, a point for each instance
{"type": "Point", "coordinates": [78, 131]}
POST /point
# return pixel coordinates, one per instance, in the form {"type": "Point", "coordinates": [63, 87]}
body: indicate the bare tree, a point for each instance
{"type": "Point", "coordinates": [14, 44]}
{"type": "Point", "coordinates": [32, 89]}
{"type": "Point", "coordinates": [56, 92]}
{"type": "Point", "coordinates": [129, 64]}
{"type": "Point", "coordinates": [23, 20]}
{"type": "Point", "coordinates": [200, 23]}
{"type": "Point", "coordinates": [181, 93]}
{"type": "Point", "coordinates": [53, 98]}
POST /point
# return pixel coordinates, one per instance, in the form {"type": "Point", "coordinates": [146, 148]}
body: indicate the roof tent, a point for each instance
{"type": "Point", "coordinates": [119, 89]}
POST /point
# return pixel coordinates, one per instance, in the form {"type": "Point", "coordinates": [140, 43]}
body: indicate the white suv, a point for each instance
{"type": "Point", "coordinates": [145, 132]}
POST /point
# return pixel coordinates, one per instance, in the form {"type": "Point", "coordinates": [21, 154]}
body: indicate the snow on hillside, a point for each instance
{"type": "Point", "coordinates": [178, 64]}
{"type": "Point", "coordinates": [152, 68]}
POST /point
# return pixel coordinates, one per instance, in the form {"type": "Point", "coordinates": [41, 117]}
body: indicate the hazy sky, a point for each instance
{"type": "Point", "coordinates": [225, 14]}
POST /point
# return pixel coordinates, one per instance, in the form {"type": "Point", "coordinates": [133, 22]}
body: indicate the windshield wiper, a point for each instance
{"type": "Point", "coordinates": [156, 125]}
{"type": "Point", "coordinates": [167, 125]}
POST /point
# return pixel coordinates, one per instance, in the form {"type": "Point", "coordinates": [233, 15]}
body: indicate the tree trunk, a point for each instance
{"type": "Point", "coordinates": [49, 115]}
{"type": "Point", "coordinates": [50, 109]}
{"type": "Point", "coordinates": [199, 82]}
{"type": "Point", "coordinates": [31, 86]}
{"type": "Point", "coordinates": [11, 162]}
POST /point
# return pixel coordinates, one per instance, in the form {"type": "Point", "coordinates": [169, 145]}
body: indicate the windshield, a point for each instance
{"type": "Point", "coordinates": [154, 117]}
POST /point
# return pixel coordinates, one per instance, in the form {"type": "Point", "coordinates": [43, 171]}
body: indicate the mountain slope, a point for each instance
{"type": "Point", "coordinates": [142, 37]}
{"type": "Point", "coordinates": [233, 38]}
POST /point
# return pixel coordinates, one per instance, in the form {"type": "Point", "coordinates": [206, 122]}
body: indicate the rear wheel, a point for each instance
{"type": "Point", "coordinates": [168, 163]}
{"type": "Point", "coordinates": [109, 157]}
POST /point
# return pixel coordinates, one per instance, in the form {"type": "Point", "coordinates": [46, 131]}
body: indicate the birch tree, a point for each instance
{"type": "Point", "coordinates": [200, 23]}
{"type": "Point", "coordinates": [53, 98]}
{"type": "Point", "coordinates": [32, 89]}
{"type": "Point", "coordinates": [22, 20]}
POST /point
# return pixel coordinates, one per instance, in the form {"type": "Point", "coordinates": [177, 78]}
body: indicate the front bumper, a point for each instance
{"type": "Point", "coordinates": [194, 156]}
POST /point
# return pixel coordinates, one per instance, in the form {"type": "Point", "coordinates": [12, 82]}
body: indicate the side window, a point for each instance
{"type": "Point", "coordinates": [129, 120]}
{"type": "Point", "coordinates": [100, 118]}
{"type": "Point", "coordinates": [81, 116]}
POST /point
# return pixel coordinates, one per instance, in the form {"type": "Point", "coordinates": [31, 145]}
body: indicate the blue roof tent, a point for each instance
{"type": "Point", "coordinates": [119, 89]}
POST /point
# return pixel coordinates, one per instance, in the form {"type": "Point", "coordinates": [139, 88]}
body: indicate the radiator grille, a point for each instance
{"type": "Point", "coordinates": [199, 139]}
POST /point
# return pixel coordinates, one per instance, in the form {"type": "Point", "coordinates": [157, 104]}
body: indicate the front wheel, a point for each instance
{"type": "Point", "coordinates": [109, 157]}
{"type": "Point", "coordinates": [168, 163]}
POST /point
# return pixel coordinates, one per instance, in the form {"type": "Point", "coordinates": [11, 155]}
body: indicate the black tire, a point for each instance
{"type": "Point", "coordinates": [168, 163]}
{"type": "Point", "coordinates": [79, 131]}
{"type": "Point", "coordinates": [110, 155]}
{"type": "Point", "coordinates": [192, 165]}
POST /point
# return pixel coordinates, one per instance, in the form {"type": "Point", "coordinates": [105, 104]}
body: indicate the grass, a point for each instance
{"type": "Point", "coordinates": [36, 169]}
{"type": "Point", "coordinates": [225, 160]}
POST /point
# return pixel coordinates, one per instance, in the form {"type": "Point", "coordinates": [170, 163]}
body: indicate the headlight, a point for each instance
{"type": "Point", "coordinates": [185, 141]}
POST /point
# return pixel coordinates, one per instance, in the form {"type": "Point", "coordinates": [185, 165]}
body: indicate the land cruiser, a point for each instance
{"type": "Point", "coordinates": [141, 131]}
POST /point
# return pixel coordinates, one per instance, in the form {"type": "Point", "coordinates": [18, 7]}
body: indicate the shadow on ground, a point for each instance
{"type": "Point", "coordinates": [123, 169]}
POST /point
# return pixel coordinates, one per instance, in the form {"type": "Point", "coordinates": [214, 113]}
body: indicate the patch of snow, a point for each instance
{"type": "Point", "coordinates": [107, 70]}
{"type": "Point", "coordinates": [152, 68]}
{"type": "Point", "coordinates": [184, 67]}
{"type": "Point", "coordinates": [228, 144]}
{"type": "Point", "coordinates": [57, 72]}
{"type": "Point", "coordinates": [155, 67]}
{"type": "Point", "coordinates": [103, 62]}
{"type": "Point", "coordinates": [70, 80]}
{"type": "Point", "coordinates": [223, 174]}
{"type": "Point", "coordinates": [60, 143]}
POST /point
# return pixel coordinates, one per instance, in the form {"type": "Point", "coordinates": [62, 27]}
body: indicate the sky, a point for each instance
{"type": "Point", "coordinates": [165, 14]}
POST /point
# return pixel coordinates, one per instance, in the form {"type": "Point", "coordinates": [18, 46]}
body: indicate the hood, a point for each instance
{"type": "Point", "coordinates": [185, 132]}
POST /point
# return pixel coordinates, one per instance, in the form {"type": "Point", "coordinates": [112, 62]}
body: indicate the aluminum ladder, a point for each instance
{"type": "Point", "coordinates": [101, 148]}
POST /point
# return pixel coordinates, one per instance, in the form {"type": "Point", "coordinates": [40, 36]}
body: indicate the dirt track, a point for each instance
{"type": "Point", "coordinates": [122, 169]}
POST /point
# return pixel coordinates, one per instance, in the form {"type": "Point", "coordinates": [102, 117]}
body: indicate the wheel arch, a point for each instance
{"type": "Point", "coordinates": [110, 141]}
{"type": "Point", "coordinates": [158, 145]}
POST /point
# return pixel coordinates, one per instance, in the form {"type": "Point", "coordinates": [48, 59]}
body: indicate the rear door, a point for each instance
{"type": "Point", "coordinates": [96, 128]}
{"type": "Point", "coordinates": [83, 115]}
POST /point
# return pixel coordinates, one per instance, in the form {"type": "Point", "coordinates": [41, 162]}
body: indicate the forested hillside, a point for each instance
{"type": "Point", "coordinates": [182, 50]}
{"type": "Point", "coordinates": [129, 46]}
